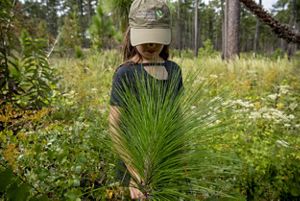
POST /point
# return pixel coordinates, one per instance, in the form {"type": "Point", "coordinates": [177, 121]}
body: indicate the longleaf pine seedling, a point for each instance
{"type": "Point", "coordinates": [164, 137]}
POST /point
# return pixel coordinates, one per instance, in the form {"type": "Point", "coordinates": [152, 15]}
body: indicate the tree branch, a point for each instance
{"type": "Point", "coordinates": [281, 30]}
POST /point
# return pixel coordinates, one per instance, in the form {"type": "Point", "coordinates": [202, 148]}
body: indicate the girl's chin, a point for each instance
{"type": "Point", "coordinates": [151, 56]}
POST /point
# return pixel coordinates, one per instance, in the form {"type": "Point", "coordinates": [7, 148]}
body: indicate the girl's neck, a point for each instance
{"type": "Point", "coordinates": [138, 59]}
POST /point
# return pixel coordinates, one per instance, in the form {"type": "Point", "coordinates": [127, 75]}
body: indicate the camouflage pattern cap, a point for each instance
{"type": "Point", "coordinates": [150, 22]}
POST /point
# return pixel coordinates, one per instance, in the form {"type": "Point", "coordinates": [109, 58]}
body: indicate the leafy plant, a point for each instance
{"type": "Point", "coordinates": [278, 54]}
{"type": "Point", "coordinates": [32, 78]}
{"type": "Point", "coordinates": [14, 188]}
{"type": "Point", "coordinates": [207, 50]}
{"type": "Point", "coordinates": [78, 53]}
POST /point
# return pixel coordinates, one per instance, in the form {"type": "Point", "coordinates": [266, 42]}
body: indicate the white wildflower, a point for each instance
{"type": "Point", "coordinates": [273, 96]}
{"type": "Point", "coordinates": [243, 110]}
{"type": "Point", "coordinates": [226, 103]}
{"type": "Point", "coordinates": [284, 89]}
{"type": "Point", "coordinates": [279, 115]}
{"type": "Point", "coordinates": [282, 143]}
{"type": "Point", "coordinates": [255, 115]}
{"type": "Point", "coordinates": [213, 76]}
{"type": "Point", "coordinates": [293, 106]}
{"type": "Point", "coordinates": [291, 117]}
{"type": "Point", "coordinates": [218, 121]}
{"type": "Point", "coordinates": [200, 79]}
{"type": "Point", "coordinates": [217, 98]}
{"type": "Point", "coordinates": [275, 115]}
{"type": "Point", "coordinates": [267, 116]}
{"type": "Point", "coordinates": [243, 103]}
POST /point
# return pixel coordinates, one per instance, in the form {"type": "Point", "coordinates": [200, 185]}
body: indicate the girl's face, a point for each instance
{"type": "Point", "coordinates": [150, 51]}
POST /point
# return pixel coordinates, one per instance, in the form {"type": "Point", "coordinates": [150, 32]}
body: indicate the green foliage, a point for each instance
{"type": "Point", "coordinates": [166, 150]}
{"type": "Point", "coordinates": [187, 53]}
{"type": "Point", "coordinates": [207, 50]}
{"type": "Point", "coordinates": [63, 151]}
{"type": "Point", "coordinates": [27, 81]}
{"type": "Point", "coordinates": [101, 30]}
{"type": "Point", "coordinates": [278, 54]}
{"type": "Point", "coordinates": [70, 162]}
{"type": "Point", "coordinates": [70, 34]}
{"type": "Point", "coordinates": [296, 57]}
{"type": "Point", "coordinates": [13, 188]}
{"type": "Point", "coordinates": [34, 76]}
{"type": "Point", "coordinates": [78, 53]}
{"type": "Point", "coordinates": [264, 134]}
{"type": "Point", "coordinates": [120, 9]}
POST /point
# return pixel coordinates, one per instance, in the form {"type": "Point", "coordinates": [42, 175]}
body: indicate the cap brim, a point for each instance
{"type": "Point", "coordinates": [141, 36]}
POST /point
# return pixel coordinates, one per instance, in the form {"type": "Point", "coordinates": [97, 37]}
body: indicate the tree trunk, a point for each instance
{"type": "Point", "coordinates": [189, 42]}
{"type": "Point", "coordinates": [185, 30]}
{"type": "Point", "coordinates": [224, 26]}
{"type": "Point", "coordinates": [52, 18]}
{"type": "Point", "coordinates": [180, 25]}
{"type": "Point", "coordinates": [211, 23]}
{"type": "Point", "coordinates": [81, 22]}
{"type": "Point", "coordinates": [196, 28]}
{"type": "Point", "coordinates": [257, 31]}
{"type": "Point", "coordinates": [232, 29]}
{"type": "Point", "coordinates": [292, 48]}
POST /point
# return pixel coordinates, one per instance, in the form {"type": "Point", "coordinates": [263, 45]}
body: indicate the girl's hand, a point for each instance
{"type": "Point", "coordinates": [134, 192]}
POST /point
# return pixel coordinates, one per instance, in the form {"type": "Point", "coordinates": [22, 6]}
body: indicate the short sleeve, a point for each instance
{"type": "Point", "coordinates": [119, 84]}
{"type": "Point", "coordinates": [180, 83]}
{"type": "Point", "coordinates": [176, 73]}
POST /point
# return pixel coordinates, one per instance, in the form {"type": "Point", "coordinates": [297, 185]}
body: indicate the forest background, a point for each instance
{"type": "Point", "coordinates": [57, 62]}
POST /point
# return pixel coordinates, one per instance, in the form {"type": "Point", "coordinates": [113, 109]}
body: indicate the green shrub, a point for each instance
{"type": "Point", "coordinates": [278, 54]}
{"type": "Point", "coordinates": [207, 49]}
{"type": "Point", "coordinates": [32, 78]}
{"type": "Point", "coordinates": [78, 52]}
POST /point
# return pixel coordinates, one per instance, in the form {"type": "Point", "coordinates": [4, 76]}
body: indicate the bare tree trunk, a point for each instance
{"type": "Point", "coordinates": [283, 44]}
{"type": "Point", "coordinates": [257, 32]}
{"type": "Point", "coordinates": [211, 23]}
{"type": "Point", "coordinates": [291, 49]}
{"type": "Point", "coordinates": [180, 25]}
{"type": "Point", "coordinates": [190, 32]}
{"type": "Point", "coordinates": [186, 29]}
{"type": "Point", "coordinates": [196, 28]}
{"type": "Point", "coordinates": [90, 11]}
{"type": "Point", "coordinates": [224, 27]}
{"type": "Point", "coordinates": [52, 18]}
{"type": "Point", "coordinates": [81, 22]}
{"type": "Point", "coordinates": [232, 20]}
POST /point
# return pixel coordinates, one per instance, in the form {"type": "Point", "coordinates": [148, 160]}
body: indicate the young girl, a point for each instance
{"type": "Point", "coordinates": [146, 53]}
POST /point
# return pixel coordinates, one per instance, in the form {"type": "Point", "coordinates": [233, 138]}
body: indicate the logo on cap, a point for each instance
{"type": "Point", "coordinates": [159, 14]}
{"type": "Point", "coordinates": [149, 13]}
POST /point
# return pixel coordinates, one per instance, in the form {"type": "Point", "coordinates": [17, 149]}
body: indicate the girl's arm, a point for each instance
{"type": "Point", "coordinates": [114, 120]}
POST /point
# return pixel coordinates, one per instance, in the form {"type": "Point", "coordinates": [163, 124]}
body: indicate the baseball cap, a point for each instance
{"type": "Point", "coordinates": [150, 22]}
